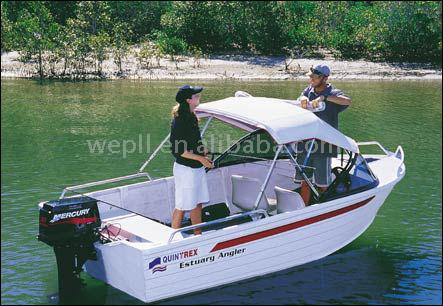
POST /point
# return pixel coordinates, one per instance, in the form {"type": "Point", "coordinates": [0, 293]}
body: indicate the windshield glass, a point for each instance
{"type": "Point", "coordinates": [355, 178]}
{"type": "Point", "coordinates": [255, 146]}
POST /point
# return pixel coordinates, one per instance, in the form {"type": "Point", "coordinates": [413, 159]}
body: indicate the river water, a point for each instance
{"type": "Point", "coordinates": [49, 131]}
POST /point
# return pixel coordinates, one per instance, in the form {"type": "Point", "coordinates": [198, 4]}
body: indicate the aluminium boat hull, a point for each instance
{"type": "Point", "coordinates": [243, 251]}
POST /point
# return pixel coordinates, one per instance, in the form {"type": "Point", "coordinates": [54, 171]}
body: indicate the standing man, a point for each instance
{"type": "Point", "coordinates": [336, 101]}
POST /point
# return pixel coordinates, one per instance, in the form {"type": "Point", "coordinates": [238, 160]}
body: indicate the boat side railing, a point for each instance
{"type": "Point", "coordinates": [401, 152]}
{"type": "Point", "coordinates": [112, 180]}
{"type": "Point", "coordinates": [370, 143]}
{"type": "Point", "coordinates": [218, 221]}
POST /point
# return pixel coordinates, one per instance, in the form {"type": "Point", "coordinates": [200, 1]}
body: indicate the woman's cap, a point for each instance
{"type": "Point", "coordinates": [186, 92]}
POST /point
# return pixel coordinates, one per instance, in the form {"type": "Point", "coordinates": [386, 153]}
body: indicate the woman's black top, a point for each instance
{"type": "Point", "coordinates": [185, 136]}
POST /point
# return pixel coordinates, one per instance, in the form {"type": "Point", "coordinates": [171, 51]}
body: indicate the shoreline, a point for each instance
{"type": "Point", "coordinates": [229, 67]}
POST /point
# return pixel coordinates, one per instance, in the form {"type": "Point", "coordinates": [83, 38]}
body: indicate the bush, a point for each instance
{"type": "Point", "coordinates": [170, 45]}
{"type": "Point", "coordinates": [120, 45]}
{"type": "Point", "coordinates": [99, 44]}
{"type": "Point", "coordinates": [409, 31]}
{"type": "Point", "coordinates": [81, 31]}
{"type": "Point", "coordinates": [147, 53]}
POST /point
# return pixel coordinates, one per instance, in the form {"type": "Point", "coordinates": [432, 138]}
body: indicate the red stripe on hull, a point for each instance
{"type": "Point", "coordinates": [284, 228]}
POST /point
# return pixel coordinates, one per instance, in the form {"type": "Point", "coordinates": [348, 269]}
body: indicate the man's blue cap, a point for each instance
{"type": "Point", "coordinates": [321, 69]}
{"type": "Point", "coordinates": [186, 92]}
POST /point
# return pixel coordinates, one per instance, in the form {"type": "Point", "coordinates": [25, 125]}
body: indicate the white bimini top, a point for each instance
{"type": "Point", "coordinates": [282, 119]}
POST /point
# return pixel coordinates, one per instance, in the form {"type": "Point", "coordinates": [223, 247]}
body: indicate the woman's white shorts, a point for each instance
{"type": "Point", "coordinates": [191, 187]}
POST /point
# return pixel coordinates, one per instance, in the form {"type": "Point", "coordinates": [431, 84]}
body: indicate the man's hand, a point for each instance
{"type": "Point", "coordinates": [316, 102]}
{"type": "Point", "coordinates": [304, 102]}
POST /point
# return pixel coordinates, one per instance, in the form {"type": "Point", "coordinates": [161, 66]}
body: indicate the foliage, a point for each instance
{"type": "Point", "coordinates": [6, 37]}
{"type": "Point", "coordinates": [147, 53]}
{"type": "Point", "coordinates": [196, 54]}
{"type": "Point", "coordinates": [142, 17]}
{"type": "Point", "coordinates": [81, 34]}
{"type": "Point", "coordinates": [171, 45]}
{"type": "Point", "coordinates": [35, 33]}
{"type": "Point", "coordinates": [99, 44]}
{"type": "Point", "coordinates": [120, 46]}
{"type": "Point", "coordinates": [409, 31]}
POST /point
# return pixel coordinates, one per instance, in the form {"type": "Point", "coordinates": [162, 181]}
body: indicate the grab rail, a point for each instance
{"type": "Point", "coordinates": [402, 154]}
{"type": "Point", "coordinates": [368, 143]}
{"type": "Point", "coordinates": [191, 227]}
{"type": "Point", "coordinates": [151, 157]}
{"type": "Point", "coordinates": [112, 180]}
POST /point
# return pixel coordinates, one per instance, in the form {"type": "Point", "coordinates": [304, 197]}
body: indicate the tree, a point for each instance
{"type": "Point", "coordinates": [64, 48]}
{"type": "Point", "coordinates": [172, 46]}
{"type": "Point", "coordinates": [62, 10]}
{"type": "Point", "coordinates": [81, 33]}
{"type": "Point", "coordinates": [147, 53]}
{"type": "Point", "coordinates": [409, 31]}
{"type": "Point", "coordinates": [99, 44]}
{"type": "Point", "coordinates": [6, 29]}
{"type": "Point", "coordinates": [144, 16]}
{"type": "Point", "coordinates": [35, 32]}
{"type": "Point", "coordinates": [94, 15]}
{"type": "Point", "coordinates": [197, 54]}
{"type": "Point", "coordinates": [78, 44]}
{"type": "Point", "coordinates": [120, 46]}
{"type": "Point", "coordinates": [87, 34]}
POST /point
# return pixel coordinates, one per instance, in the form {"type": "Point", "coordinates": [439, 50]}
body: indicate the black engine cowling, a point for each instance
{"type": "Point", "coordinates": [69, 220]}
{"type": "Point", "coordinates": [71, 226]}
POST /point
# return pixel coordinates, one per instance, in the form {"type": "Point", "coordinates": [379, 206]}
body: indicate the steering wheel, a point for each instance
{"type": "Point", "coordinates": [345, 179]}
{"type": "Point", "coordinates": [337, 171]}
{"type": "Point", "coordinates": [341, 176]}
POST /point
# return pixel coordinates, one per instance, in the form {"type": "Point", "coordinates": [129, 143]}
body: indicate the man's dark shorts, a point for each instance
{"type": "Point", "coordinates": [318, 169]}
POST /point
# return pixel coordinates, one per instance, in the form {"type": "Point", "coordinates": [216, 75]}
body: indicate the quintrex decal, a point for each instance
{"type": "Point", "coordinates": [159, 269]}
{"type": "Point", "coordinates": [156, 266]}
{"type": "Point", "coordinates": [181, 255]}
{"type": "Point", "coordinates": [211, 258]}
{"type": "Point", "coordinates": [155, 262]}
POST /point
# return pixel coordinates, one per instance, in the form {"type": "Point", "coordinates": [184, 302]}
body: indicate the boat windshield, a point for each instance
{"type": "Point", "coordinates": [355, 177]}
{"type": "Point", "coordinates": [352, 176]}
{"type": "Point", "coordinates": [255, 146]}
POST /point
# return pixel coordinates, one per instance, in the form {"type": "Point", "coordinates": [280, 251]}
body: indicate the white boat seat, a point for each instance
{"type": "Point", "coordinates": [288, 200]}
{"type": "Point", "coordinates": [136, 227]}
{"type": "Point", "coordinates": [245, 191]}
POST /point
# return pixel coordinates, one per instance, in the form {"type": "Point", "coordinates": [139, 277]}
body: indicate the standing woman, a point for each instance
{"type": "Point", "coordinates": [191, 189]}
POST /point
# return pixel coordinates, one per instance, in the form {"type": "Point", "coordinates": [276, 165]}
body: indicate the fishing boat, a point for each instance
{"type": "Point", "coordinates": [255, 223]}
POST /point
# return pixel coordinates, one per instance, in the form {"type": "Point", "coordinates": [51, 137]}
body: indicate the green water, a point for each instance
{"type": "Point", "coordinates": [47, 129]}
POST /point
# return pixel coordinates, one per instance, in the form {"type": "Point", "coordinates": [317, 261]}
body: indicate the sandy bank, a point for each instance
{"type": "Point", "coordinates": [233, 67]}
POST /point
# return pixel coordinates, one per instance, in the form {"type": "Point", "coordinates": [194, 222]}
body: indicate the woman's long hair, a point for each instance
{"type": "Point", "coordinates": [181, 109]}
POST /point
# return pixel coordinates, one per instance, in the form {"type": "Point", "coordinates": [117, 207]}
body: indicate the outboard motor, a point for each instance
{"type": "Point", "coordinates": [70, 226]}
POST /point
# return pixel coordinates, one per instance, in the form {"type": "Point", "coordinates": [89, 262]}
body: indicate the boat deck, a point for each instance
{"type": "Point", "coordinates": [136, 228]}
